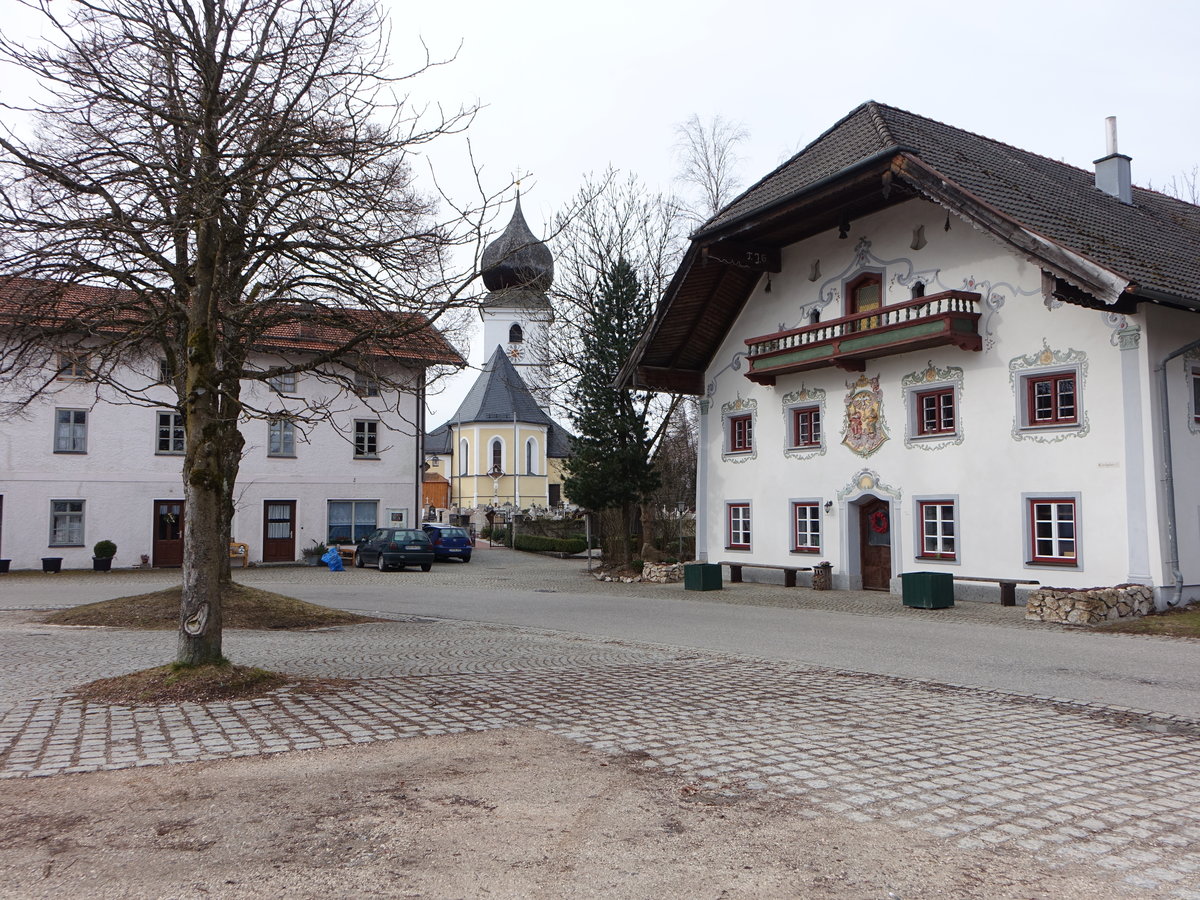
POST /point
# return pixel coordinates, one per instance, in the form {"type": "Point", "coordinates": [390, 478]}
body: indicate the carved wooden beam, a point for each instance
{"type": "Point", "coordinates": [745, 256]}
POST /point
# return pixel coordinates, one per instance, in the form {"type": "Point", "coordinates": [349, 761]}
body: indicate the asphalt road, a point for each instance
{"type": "Point", "coordinates": [983, 647]}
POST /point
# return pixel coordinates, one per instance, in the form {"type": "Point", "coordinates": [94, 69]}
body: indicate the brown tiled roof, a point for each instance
{"type": "Point", "coordinates": [283, 326]}
{"type": "Point", "coordinates": [1154, 242]}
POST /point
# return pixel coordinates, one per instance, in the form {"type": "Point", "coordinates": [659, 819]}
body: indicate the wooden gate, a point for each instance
{"type": "Point", "coordinates": [875, 545]}
{"type": "Point", "coordinates": [168, 533]}
{"type": "Point", "coordinates": [279, 531]}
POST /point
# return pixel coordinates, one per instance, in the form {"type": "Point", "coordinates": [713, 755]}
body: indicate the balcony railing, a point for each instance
{"type": "Point", "coordinates": [951, 317]}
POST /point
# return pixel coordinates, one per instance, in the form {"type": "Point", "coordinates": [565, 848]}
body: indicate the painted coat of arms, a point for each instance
{"type": "Point", "coordinates": [865, 429]}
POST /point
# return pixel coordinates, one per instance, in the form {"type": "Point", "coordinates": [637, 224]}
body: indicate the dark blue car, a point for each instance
{"type": "Point", "coordinates": [449, 541]}
{"type": "Point", "coordinates": [395, 548]}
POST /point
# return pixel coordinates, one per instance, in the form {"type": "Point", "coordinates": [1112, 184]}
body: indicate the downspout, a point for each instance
{"type": "Point", "coordinates": [1169, 472]}
{"type": "Point", "coordinates": [419, 507]}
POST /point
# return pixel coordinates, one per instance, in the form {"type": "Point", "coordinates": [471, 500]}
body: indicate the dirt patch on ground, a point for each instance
{"type": "Point", "coordinates": [241, 607]}
{"type": "Point", "coordinates": [196, 684]}
{"type": "Point", "coordinates": [501, 814]}
{"type": "Point", "coordinates": [1181, 623]}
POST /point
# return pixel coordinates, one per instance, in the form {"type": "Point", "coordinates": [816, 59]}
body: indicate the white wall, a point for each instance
{"type": "Point", "coordinates": [121, 475]}
{"type": "Point", "coordinates": [994, 465]}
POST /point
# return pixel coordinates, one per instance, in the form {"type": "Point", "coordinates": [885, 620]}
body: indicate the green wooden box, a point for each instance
{"type": "Point", "coordinates": [928, 590]}
{"type": "Point", "coordinates": [702, 577]}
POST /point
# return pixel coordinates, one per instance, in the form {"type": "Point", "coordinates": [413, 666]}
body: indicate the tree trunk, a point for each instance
{"type": "Point", "coordinates": [649, 552]}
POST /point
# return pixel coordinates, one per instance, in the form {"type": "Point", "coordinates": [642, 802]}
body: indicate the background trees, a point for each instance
{"type": "Point", "coordinates": [230, 165]}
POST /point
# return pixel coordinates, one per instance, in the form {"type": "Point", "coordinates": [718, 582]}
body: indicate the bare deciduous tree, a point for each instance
{"type": "Point", "coordinates": [707, 156]}
{"type": "Point", "coordinates": [208, 173]}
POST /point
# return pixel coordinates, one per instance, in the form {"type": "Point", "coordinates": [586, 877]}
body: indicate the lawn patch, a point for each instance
{"type": "Point", "coordinates": [1183, 622]}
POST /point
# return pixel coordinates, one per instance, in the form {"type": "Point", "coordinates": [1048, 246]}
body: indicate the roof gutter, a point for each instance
{"type": "Point", "coordinates": [1169, 473]}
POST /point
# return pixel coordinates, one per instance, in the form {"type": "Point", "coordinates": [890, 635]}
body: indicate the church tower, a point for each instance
{"type": "Point", "coordinates": [518, 270]}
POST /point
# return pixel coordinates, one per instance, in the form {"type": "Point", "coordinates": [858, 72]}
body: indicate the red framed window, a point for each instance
{"type": "Point", "coordinates": [939, 534]}
{"type": "Point", "coordinates": [806, 427]}
{"type": "Point", "coordinates": [1052, 399]}
{"type": "Point", "coordinates": [806, 532]}
{"type": "Point", "coordinates": [738, 517]}
{"type": "Point", "coordinates": [1053, 531]}
{"type": "Point", "coordinates": [935, 412]}
{"type": "Point", "coordinates": [741, 434]}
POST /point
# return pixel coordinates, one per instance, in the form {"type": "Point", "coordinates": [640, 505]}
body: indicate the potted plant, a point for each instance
{"type": "Point", "coordinates": [52, 564]}
{"type": "Point", "coordinates": [312, 555]}
{"type": "Point", "coordinates": [4, 564]}
{"type": "Point", "coordinates": [102, 556]}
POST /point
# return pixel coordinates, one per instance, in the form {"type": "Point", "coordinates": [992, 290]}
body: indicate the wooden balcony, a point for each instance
{"type": "Point", "coordinates": [951, 317]}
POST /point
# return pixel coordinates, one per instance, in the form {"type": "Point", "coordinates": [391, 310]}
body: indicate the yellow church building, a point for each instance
{"type": "Point", "coordinates": [501, 447]}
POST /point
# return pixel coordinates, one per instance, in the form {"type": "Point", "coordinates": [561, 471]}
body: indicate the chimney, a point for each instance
{"type": "Point", "coordinates": [1112, 171]}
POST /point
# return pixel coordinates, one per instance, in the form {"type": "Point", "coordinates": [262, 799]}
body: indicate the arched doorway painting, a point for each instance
{"type": "Point", "coordinates": [869, 529]}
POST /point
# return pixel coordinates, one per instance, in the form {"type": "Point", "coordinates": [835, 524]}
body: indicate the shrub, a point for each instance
{"type": "Point", "coordinates": [104, 550]}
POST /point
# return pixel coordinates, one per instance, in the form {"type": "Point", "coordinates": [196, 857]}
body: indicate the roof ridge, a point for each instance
{"type": "Point", "coordinates": [881, 125]}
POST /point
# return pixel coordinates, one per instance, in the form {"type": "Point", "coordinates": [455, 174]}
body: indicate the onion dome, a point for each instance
{"type": "Point", "coordinates": [517, 260]}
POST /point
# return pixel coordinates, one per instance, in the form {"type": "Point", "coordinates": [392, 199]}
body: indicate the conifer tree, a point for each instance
{"type": "Point", "coordinates": [610, 466]}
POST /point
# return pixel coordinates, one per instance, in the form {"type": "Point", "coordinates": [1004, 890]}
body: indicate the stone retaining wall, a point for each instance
{"type": "Point", "coordinates": [1088, 607]}
{"type": "Point", "coordinates": [663, 573]}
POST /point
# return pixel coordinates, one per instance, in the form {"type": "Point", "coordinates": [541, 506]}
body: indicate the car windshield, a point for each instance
{"type": "Point", "coordinates": [409, 536]}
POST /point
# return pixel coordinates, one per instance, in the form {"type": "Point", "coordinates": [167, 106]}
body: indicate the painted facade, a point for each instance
{"type": "Point", "coordinates": [974, 416]}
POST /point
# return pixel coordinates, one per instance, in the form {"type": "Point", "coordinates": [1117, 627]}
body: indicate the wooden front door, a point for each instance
{"type": "Point", "coordinates": [168, 533]}
{"type": "Point", "coordinates": [279, 531]}
{"type": "Point", "coordinates": [875, 545]}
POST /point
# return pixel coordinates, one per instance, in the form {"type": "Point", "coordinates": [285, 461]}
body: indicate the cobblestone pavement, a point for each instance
{"type": "Point", "coordinates": [975, 768]}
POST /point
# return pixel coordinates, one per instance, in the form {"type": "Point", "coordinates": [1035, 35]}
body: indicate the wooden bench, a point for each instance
{"type": "Point", "coordinates": [789, 572]}
{"type": "Point", "coordinates": [240, 551]}
{"type": "Point", "coordinates": [1008, 587]}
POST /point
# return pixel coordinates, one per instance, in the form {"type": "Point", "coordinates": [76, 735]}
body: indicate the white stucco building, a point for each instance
{"type": "Point", "coordinates": [919, 349]}
{"type": "Point", "coordinates": [322, 462]}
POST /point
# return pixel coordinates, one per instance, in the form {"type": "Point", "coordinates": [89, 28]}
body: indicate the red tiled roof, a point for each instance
{"type": "Point", "coordinates": [282, 326]}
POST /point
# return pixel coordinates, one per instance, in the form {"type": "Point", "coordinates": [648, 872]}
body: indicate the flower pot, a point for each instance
{"type": "Point", "coordinates": [4, 564]}
{"type": "Point", "coordinates": [52, 563]}
{"type": "Point", "coordinates": [102, 563]}
{"type": "Point", "coordinates": [312, 560]}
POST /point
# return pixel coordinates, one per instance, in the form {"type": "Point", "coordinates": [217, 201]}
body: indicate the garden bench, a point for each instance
{"type": "Point", "coordinates": [789, 572]}
{"type": "Point", "coordinates": [1008, 586]}
{"type": "Point", "coordinates": [240, 551]}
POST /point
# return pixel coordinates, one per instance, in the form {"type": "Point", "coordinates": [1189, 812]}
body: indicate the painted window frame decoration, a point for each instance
{"type": "Point", "coordinates": [169, 436]}
{"type": "Point", "coordinates": [366, 439]}
{"type": "Point", "coordinates": [806, 513]}
{"type": "Point", "coordinates": [1054, 366]}
{"type": "Point", "coordinates": [739, 410]}
{"type": "Point", "coordinates": [738, 534]}
{"type": "Point", "coordinates": [1052, 540]}
{"type": "Point", "coordinates": [932, 381]}
{"type": "Point", "coordinates": [935, 541]}
{"type": "Point", "coordinates": [71, 431]}
{"type": "Point", "coordinates": [68, 519]}
{"type": "Point", "coordinates": [805, 400]}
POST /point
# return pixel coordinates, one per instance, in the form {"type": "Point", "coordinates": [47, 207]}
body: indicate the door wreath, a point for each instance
{"type": "Point", "coordinates": [879, 521]}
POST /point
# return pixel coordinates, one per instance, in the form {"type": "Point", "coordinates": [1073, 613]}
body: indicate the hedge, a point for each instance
{"type": "Point", "coordinates": [537, 543]}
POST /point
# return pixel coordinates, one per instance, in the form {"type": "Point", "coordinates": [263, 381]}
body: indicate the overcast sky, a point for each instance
{"type": "Point", "coordinates": [569, 88]}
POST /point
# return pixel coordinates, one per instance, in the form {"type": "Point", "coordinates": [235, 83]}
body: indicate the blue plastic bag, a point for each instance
{"type": "Point", "coordinates": [334, 560]}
